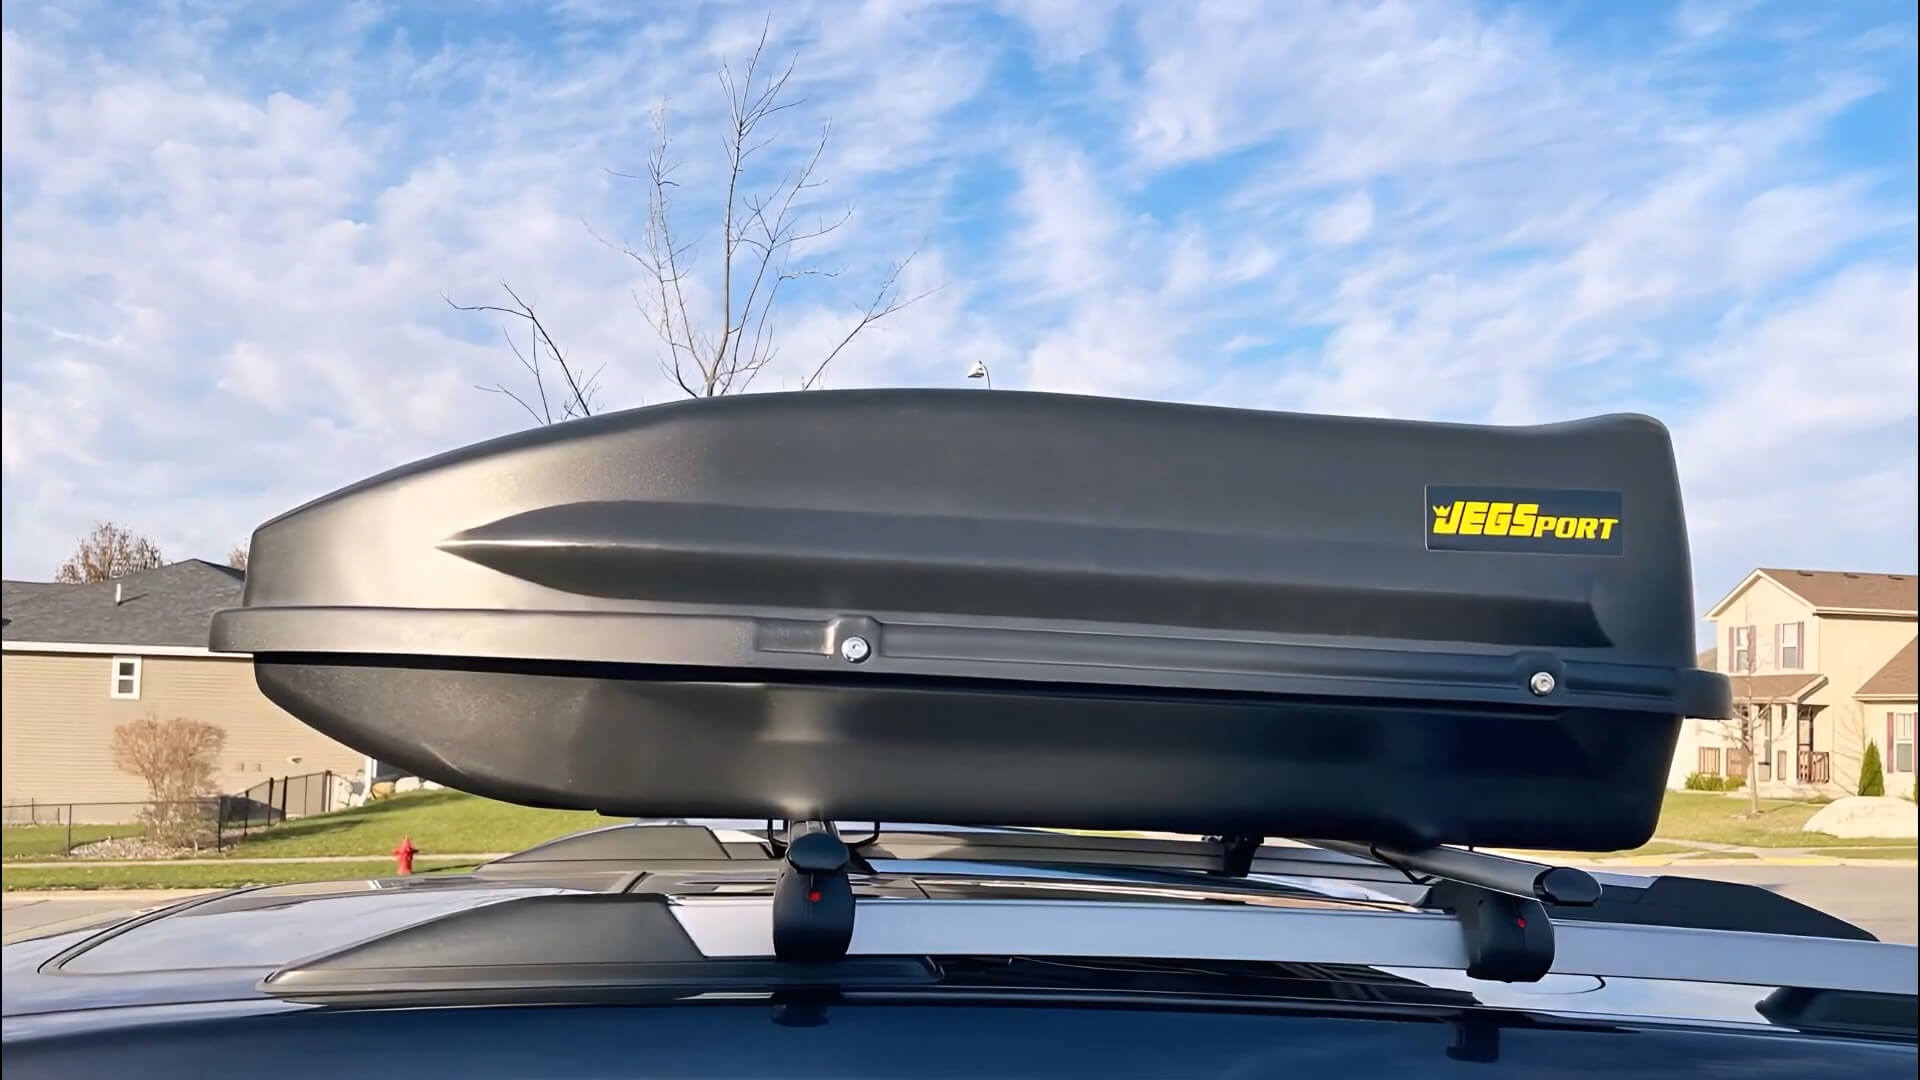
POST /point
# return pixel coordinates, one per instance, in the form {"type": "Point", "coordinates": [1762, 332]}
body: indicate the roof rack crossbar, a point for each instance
{"type": "Point", "coordinates": [1562, 885]}
{"type": "Point", "coordinates": [1236, 854]}
{"type": "Point", "coordinates": [812, 898]}
{"type": "Point", "coordinates": [1499, 902]}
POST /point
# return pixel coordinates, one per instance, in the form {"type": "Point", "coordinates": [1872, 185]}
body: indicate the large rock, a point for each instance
{"type": "Point", "coordinates": [1858, 817]}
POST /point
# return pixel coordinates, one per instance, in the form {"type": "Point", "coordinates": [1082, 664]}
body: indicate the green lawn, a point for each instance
{"type": "Point", "coordinates": [84, 875]}
{"type": "Point", "coordinates": [1654, 848]}
{"type": "Point", "coordinates": [450, 823]}
{"type": "Point", "coordinates": [443, 822]}
{"type": "Point", "coordinates": [1700, 815]}
{"type": "Point", "coordinates": [50, 841]}
{"type": "Point", "coordinates": [447, 822]}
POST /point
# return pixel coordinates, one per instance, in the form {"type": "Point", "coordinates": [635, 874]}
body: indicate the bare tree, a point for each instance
{"type": "Point", "coordinates": [1747, 729]}
{"type": "Point", "coordinates": [237, 558]}
{"type": "Point", "coordinates": [176, 758]}
{"type": "Point", "coordinates": [761, 249]}
{"type": "Point", "coordinates": [108, 552]}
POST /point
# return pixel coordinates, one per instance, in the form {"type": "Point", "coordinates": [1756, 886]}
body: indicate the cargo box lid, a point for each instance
{"type": "Point", "coordinates": [864, 568]}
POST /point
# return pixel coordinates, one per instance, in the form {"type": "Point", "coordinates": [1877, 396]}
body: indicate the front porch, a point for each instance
{"type": "Point", "coordinates": [1809, 774]}
{"type": "Point", "coordinates": [1774, 741]}
{"type": "Point", "coordinates": [1782, 774]}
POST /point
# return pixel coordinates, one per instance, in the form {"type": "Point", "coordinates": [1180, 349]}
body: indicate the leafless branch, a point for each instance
{"type": "Point", "coordinates": [580, 393]}
{"type": "Point", "coordinates": [885, 302]}
{"type": "Point", "coordinates": [760, 252]}
{"type": "Point", "coordinates": [498, 388]}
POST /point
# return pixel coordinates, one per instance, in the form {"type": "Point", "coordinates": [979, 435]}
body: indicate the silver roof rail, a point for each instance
{"type": "Point", "coordinates": [733, 926]}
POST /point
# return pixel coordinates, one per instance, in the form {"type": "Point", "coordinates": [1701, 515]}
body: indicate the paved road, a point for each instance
{"type": "Point", "coordinates": [1883, 899]}
{"type": "Point", "coordinates": [18, 915]}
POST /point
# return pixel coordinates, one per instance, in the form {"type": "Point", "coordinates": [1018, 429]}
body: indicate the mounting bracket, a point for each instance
{"type": "Point", "coordinates": [812, 898]}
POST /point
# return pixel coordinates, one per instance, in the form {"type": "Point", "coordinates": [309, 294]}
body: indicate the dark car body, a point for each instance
{"type": "Point", "coordinates": [183, 990]}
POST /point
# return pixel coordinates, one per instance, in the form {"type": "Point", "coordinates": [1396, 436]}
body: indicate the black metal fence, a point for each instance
{"type": "Point", "coordinates": [213, 823]}
{"type": "Point", "coordinates": [292, 796]}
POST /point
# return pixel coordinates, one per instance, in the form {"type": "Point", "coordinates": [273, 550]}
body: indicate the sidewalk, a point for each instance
{"type": "Point", "coordinates": [1773, 857]}
{"type": "Point", "coordinates": [131, 897]}
{"type": "Point", "coordinates": [1711, 853]}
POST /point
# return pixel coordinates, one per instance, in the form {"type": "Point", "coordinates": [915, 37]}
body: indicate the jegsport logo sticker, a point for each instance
{"type": "Point", "coordinates": [1564, 522]}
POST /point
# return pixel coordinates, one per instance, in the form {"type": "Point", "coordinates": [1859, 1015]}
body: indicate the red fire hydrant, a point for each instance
{"type": "Point", "coordinates": [403, 855]}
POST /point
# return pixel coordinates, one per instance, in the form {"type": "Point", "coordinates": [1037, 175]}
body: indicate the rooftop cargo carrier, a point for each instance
{"type": "Point", "coordinates": [1011, 608]}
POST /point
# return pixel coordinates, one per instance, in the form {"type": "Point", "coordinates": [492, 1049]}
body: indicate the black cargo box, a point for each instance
{"type": "Point", "coordinates": [985, 608]}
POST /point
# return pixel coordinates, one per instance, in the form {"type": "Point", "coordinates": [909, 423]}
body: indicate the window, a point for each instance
{"type": "Point", "coordinates": [1740, 656]}
{"type": "Point", "coordinates": [1787, 644]}
{"type": "Point", "coordinates": [1710, 760]}
{"type": "Point", "coordinates": [1900, 741]}
{"type": "Point", "coordinates": [126, 678]}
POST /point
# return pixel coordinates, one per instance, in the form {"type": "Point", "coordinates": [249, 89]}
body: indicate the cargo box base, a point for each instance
{"type": "Point", "coordinates": [648, 741]}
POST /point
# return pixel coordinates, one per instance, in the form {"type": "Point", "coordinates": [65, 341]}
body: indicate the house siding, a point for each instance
{"type": "Point", "coordinates": [59, 719]}
{"type": "Point", "coordinates": [1765, 606]}
{"type": "Point", "coordinates": [1879, 719]}
{"type": "Point", "coordinates": [1847, 650]}
{"type": "Point", "coordinates": [1857, 647]}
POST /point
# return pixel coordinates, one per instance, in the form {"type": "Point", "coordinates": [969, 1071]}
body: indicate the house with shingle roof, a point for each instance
{"type": "Point", "coordinates": [1823, 660]}
{"type": "Point", "coordinates": [83, 659]}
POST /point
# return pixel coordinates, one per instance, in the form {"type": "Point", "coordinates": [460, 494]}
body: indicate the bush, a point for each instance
{"type": "Point", "coordinates": [176, 758]}
{"type": "Point", "coordinates": [1701, 781]}
{"type": "Point", "coordinates": [1873, 780]}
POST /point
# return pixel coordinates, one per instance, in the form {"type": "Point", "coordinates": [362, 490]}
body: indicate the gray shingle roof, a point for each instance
{"type": "Point", "coordinates": [169, 605]}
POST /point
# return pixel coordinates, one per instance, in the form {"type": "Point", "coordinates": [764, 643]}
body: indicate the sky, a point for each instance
{"type": "Point", "coordinates": [231, 233]}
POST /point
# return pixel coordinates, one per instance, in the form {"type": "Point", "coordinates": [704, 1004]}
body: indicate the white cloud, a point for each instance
{"type": "Point", "coordinates": [1071, 225]}
{"type": "Point", "coordinates": [1810, 387]}
{"type": "Point", "coordinates": [225, 249]}
{"type": "Point", "coordinates": [1708, 18]}
{"type": "Point", "coordinates": [1342, 222]}
{"type": "Point", "coordinates": [1115, 346]}
{"type": "Point", "coordinates": [1368, 89]}
{"type": "Point", "coordinates": [1804, 452]}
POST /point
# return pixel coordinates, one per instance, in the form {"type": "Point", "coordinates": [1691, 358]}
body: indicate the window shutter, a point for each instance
{"type": "Point", "coordinates": [1890, 734]}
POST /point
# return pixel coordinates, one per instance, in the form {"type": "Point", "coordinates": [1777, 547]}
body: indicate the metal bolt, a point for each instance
{"type": "Point", "coordinates": [855, 649]}
{"type": "Point", "coordinates": [1542, 683]}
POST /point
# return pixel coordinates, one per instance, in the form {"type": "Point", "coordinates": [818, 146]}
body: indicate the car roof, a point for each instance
{"type": "Point", "coordinates": [1338, 922]}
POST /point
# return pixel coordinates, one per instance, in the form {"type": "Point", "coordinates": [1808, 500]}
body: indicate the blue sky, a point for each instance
{"type": "Point", "coordinates": [228, 231]}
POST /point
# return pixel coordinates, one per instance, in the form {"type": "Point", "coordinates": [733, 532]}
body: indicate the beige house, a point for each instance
{"type": "Point", "coordinates": [82, 659]}
{"type": "Point", "coordinates": [1825, 662]}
